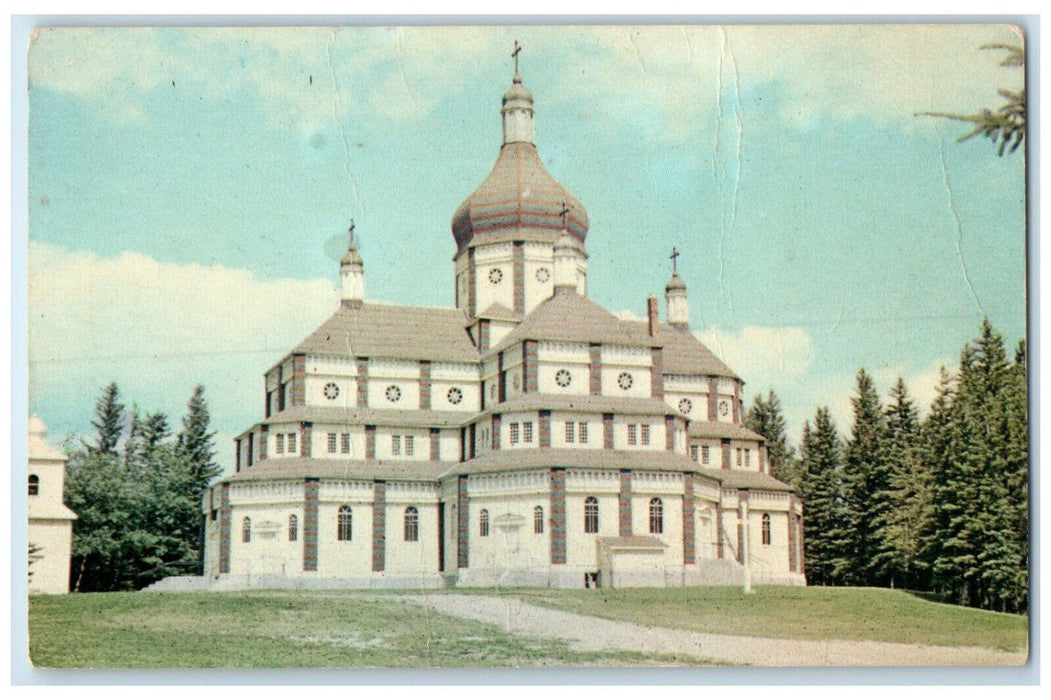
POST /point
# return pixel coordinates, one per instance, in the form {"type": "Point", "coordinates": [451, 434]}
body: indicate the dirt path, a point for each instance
{"type": "Point", "coordinates": [593, 633]}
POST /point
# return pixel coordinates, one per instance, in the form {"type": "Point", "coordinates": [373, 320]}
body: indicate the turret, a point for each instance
{"type": "Point", "coordinates": [351, 275]}
{"type": "Point", "coordinates": [675, 297]}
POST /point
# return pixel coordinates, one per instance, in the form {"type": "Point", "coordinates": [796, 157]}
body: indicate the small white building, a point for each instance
{"type": "Point", "coordinates": [526, 436]}
{"type": "Point", "coordinates": [50, 521]}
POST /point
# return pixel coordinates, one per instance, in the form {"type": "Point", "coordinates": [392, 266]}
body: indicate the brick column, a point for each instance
{"type": "Point", "coordinates": [518, 265]}
{"type": "Point", "coordinates": [657, 373]}
{"type": "Point", "coordinates": [529, 366]}
{"type": "Point", "coordinates": [436, 435]}
{"type": "Point", "coordinates": [595, 369]}
{"type": "Point", "coordinates": [624, 501]}
{"type": "Point", "coordinates": [224, 528]}
{"type": "Point", "coordinates": [689, 530]}
{"type": "Point", "coordinates": [237, 454]}
{"type": "Point", "coordinates": [713, 399]}
{"type": "Point", "coordinates": [472, 298]}
{"type": "Point", "coordinates": [669, 432]}
{"type": "Point", "coordinates": [310, 524]}
{"type": "Point", "coordinates": [558, 516]}
{"type": "Point", "coordinates": [495, 431]}
{"type": "Point", "coordinates": [306, 439]}
{"type": "Point", "coordinates": [501, 379]}
{"type": "Point", "coordinates": [363, 381]}
{"type": "Point", "coordinates": [720, 534]}
{"type": "Point", "coordinates": [425, 384]}
{"type": "Point", "coordinates": [379, 525]}
{"type": "Point", "coordinates": [545, 428]}
{"type": "Point", "coordinates": [472, 440]}
{"type": "Point", "coordinates": [742, 497]}
{"type": "Point", "coordinates": [370, 442]}
{"type": "Point", "coordinates": [607, 431]}
{"type": "Point", "coordinates": [299, 375]}
{"type": "Point", "coordinates": [264, 441]}
{"type": "Point", "coordinates": [483, 334]}
{"type": "Point", "coordinates": [726, 453]}
{"type": "Point", "coordinates": [463, 523]}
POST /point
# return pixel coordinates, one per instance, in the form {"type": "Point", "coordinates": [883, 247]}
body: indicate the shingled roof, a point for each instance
{"type": "Point", "coordinates": [621, 405]}
{"type": "Point", "coordinates": [737, 479]}
{"type": "Point", "coordinates": [575, 318]}
{"type": "Point", "coordinates": [418, 418]}
{"type": "Point", "coordinates": [305, 467]}
{"type": "Point", "coordinates": [684, 354]}
{"type": "Point", "coordinates": [517, 460]}
{"type": "Point", "coordinates": [402, 332]}
{"type": "Point", "coordinates": [715, 429]}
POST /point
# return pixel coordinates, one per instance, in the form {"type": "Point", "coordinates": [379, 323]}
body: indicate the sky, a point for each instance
{"type": "Point", "coordinates": [190, 192]}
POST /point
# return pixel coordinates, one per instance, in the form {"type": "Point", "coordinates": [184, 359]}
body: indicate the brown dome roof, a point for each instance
{"type": "Point", "coordinates": [521, 200]}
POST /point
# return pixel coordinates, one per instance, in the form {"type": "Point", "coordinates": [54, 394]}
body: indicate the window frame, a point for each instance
{"type": "Point", "coordinates": [591, 516]}
{"type": "Point", "coordinates": [293, 528]}
{"type": "Point", "coordinates": [411, 530]}
{"type": "Point", "coordinates": [538, 520]}
{"type": "Point", "coordinates": [345, 524]}
{"type": "Point", "coordinates": [765, 530]}
{"type": "Point", "coordinates": [34, 485]}
{"type": "Point", "coordinates": [246, 530]}
{"type": "Point", "coordinates": [483, 523]}
{"type": "Point", "coordinates": [656, 516]}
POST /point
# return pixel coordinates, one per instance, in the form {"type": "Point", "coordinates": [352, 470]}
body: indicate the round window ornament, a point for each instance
{"type": "Point", "coordinates": [331, 391]}
{"type": "Point", "coordinates": [685, 406]}
{"type": "Point", "coordinates": [393, 393]}
{"type": "Point", "coordinates": [495, 275]}
{"type": "Point", "coordinates": [454, 395]}
{"type": "Point", "coordinates": [625, 380]}
{"type": "Point", "coordinates": [724, 408]}
{"type": "Point", "coordinates": [563, 378]}
{"type": "Point", "coordinates": [542, 274]}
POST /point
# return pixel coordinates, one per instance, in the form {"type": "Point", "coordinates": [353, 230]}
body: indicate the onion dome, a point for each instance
{"type": "Point", "coordinates": [519, 200]}
{"type": "Point", "coordinates": [675, 283]}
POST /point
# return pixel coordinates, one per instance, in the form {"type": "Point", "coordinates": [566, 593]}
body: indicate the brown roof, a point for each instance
{"type": "Point", "coordinates": [372, 416]}
{"type": "Point", "coordinates": [402, 332]}
{"type": "Point", "coordinates": [625, 405]}
{"type": "Point", "coordinates": [715, 429]}
{"type": "Point", "coordinates": [304, 467]}
{"type": "Point", "coordinates": [684, 354]}
{"type": "Point", "coordinates": [739, 479]}
{"type": "Point", "coordinates": [500, 312]}
{"type": "Point", "coordinates": [514, 460]}
{"type": "Point", "coordinates": [575, 318]}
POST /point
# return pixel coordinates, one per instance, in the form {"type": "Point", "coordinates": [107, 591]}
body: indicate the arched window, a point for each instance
{"type": "Point", "coordinates": [538, 520]}
{"type": "Point", "coordinates": [412, 524]}
{"type": "Point", "coordinates": [656, 516]}
{"type": "Point", "coordinates": [591, 514]}
{"type": "Point", "coordinates": [293, 528]}
{"type": "Point", "coordinates": [34, 485]}
{"type": "Point", "coordinates": [766, 528]}
{"type": "Point", "coordinates": [483, 523]}
{"type": "Point", "coordinates": [345, 523]}
{"type": "Point", "coordinates": [246, 530]}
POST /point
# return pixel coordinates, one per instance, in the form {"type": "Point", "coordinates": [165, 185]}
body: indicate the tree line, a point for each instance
{"type": "Point", "coordinates": [136, 489]}
{"type": "Point", "coordinates": [938, 505]}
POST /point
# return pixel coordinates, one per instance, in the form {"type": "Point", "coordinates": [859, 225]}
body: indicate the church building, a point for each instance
{"type": "Point", "coordinates": [50, 532]}
{"type": "Point", "coordinates": [526, 436]}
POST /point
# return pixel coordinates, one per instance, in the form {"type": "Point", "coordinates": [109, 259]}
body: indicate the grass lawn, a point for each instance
{"type": "Point", "coordinates": [272, 629]}
{"type": "Point", "coordinates": [796, 613]}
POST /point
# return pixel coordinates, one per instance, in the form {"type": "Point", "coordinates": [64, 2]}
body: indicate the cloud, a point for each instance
{"type": "Point", "coordinates": [764, 356]}
{"type": "Point", "coordinates": [157, 329]}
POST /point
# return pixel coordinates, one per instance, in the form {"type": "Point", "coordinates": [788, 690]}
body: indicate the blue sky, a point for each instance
{"type": "Point", "coordinates": [190, 189]}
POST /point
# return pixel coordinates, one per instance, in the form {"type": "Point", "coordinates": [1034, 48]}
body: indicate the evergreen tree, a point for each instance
{"type": "Point", "coordinates": [820, 488]}
{"type": "Point", "coordinates": [196, 442]}
{"type": "Point", "coordinates": [765, 417]}
{"type": "Point", "coordinates": [109, 420]}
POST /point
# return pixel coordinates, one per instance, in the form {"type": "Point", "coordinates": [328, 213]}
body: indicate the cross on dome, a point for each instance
{"type": "Point", "coordinates": [514, 55]}
{"type": "Point", "coordinates": [674, 255]}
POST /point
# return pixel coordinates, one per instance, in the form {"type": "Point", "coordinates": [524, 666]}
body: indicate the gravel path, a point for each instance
{"type": "Point", "coordinates": [594, 634]}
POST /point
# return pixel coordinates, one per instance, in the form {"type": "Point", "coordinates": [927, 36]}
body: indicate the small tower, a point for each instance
{"type": "Point", "coordinates": [517, 110]}
{"type": "Point", "coordinates": [675, 297]}
{"type": "Point", "coordinates": [351, 275]}
{"type": "Point", "coordinates": [570, 261]}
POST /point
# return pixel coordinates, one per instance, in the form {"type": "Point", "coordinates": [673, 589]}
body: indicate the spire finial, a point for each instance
{"type": "Point", "coordinates": [514, 55]}
{"type": "Point", "coordinates": [674, 261]}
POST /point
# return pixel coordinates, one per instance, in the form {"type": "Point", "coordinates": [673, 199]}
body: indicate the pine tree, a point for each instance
{"type": "Point", "coordinates": [109, 420]}
{"type": "Point", "coordinates": [766, 418]}
{"type": "Point", "coordinates": [820, 488]}
{"type": "Point", "coordinates": [196, 442]}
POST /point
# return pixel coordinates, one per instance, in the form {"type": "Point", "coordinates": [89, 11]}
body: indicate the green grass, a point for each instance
{"type": "Point", "coordinates": [282, 630]}
{"type": "Point", "coordinates": [796, 613]}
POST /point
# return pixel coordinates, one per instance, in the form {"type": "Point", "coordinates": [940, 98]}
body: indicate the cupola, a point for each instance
{"type": "Point", "coordinates": [351, 274]}
{"type": "Point", "coordinates": [675, 297]}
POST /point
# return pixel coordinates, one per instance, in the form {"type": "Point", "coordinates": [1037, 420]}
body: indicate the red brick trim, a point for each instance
{"type": "Point", "coordinates": [669, 432]}
{"type": "Point", "coordinates": [713, 398]}
{"type": "Point", "coordinates": [624, 503]}
{"type": "Point", "coordinates": [463, 523]}
{"type": "Point", "coordinates": [558, 516]}
{"type": "Point", "coordinates": [720, 533]}
{"type": "Point", "coordinates": [472, 298]}
{"type": "Point", "coordinates": [264, 441]}
{"type": "Point", "coordinates": [595, 369]}
{"type": "Point", "coordinates": [237, 454]}
{"type": "Point", "coordinates": [472, 432]}
{"type": "Point", "coordinates": [607, 431]}
{"type": "Point", "coordinates": [425, 384]}
{"type": "Point", "coordinates": [792, 543]}
{"type": "Point", "coordinates": [501, 379]}
{"type": "Point", "coordinates": [436, 435]}
{"type": "Point", "coordinates": [370, 442]}
{"type": "Point", "coordinates": [529, 366]}
{"type": "Point", "coordinates": [657, 376]}
{"type": "Point", "coordinates": [310, 524]}
{"type": "Point", "coordinates": [306, 439]}
{"type": "Point", "coordinates": [518, 265]}
{"type": "Point", "coordinates": [494, 432]}
{"type": "Point", "coordinates": [689, 530]}
{"type": "Point", "coordinates": [483, 334]}
{"type": "Point", "coordinates": [544, 429]}
{"type": "Point", "coordinates": [299, 375]}
{"type": "Point", "coordinates": [379, 525]}
{"type": "Point", "coordinates": [737, 410]}
{"type": "Point", "coordinates": [363, 381]}
{"type": "Point", "coordinates": [250, 452]}
{"type": "Point", "coordinates": [726, 453]}
{"type": "Point", "coordinates": [225, 517]}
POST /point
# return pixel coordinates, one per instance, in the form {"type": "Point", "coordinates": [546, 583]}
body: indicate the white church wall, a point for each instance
{"type": "Point", "coordinates": [580, 545]}
{"type": "Point", "coordinates": [52, 479]}
{"type": "Point", "coordinates": [671, 534]}
{"type": "Point", "coordinates": [314, 390]}
{"type": "Point", "coordinates": [268, 550]}
{"type": "Point", "coordinates": [509, 547]}
{"type": "Point", "coordinates": [559, 431]}
{"type": "Point", "coordinates": [498, 330]}
{"type": "Point", "coordinates": [579, 378]}
{"type": "Point", "coordinates": [622, 433]}
{"type": "Point", "coordinates": [337, 557]}
{"type": "Point", "coordinates": [53, 540]}
{"type": "Point", "coordinates": [508, 441]}
{"type": "Point", "coordinates": [640, 380]}
{"type": "Point", "coordinates": [406, 444]}
{"type": "Point", "coordinates": [404, 376]}
{"type": "Point", "coordinates": [323, 448]}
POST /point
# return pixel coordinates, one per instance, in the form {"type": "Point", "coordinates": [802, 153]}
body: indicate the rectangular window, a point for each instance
{"type": "Point", "coordinates": [645, 434]}
{"type": "Point", "coordinates": [410, 445]}
{"type": "Point", "coordinates": [527, 431]}
{"type": "Point", "coordinates": [583, 433]}
{"type": "Point", "coordinates": [279, 443]}
{"type": "Point", "coordinates": [344, 443]}
{"type": "Point", "coordinates": [695, 453]}
{"type": "Point", "coordinates": [332, 443]}
{"type": "Point", "coordinates": [739, 451]}
{"type": "Point", "coordinates": [570, 431]}
{"type": "Point", "coordinates": [395, 444]}
{"type": "Point", "coordinates": [281, 397]}
{"type": "Point", "coordinates": [292, 443]}
{"type": "Point", "coordinates": [633, 434]}
{"type": "Point", "coordinates": [747, 457]}
{"type": "Point", "coordinates": [704, 454]}
{"type": "Point", "coordinates": [514, 433]}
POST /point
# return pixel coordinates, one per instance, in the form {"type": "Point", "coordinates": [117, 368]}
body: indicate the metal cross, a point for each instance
{"type": "Point", "coordinates": [565, 210]}
{"type": "Point", "coordinates": [351, 232]}
{"type": "Point", "coordinates": [674, 255]}
{"type": "Point", "coordinates": [514, 55]}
